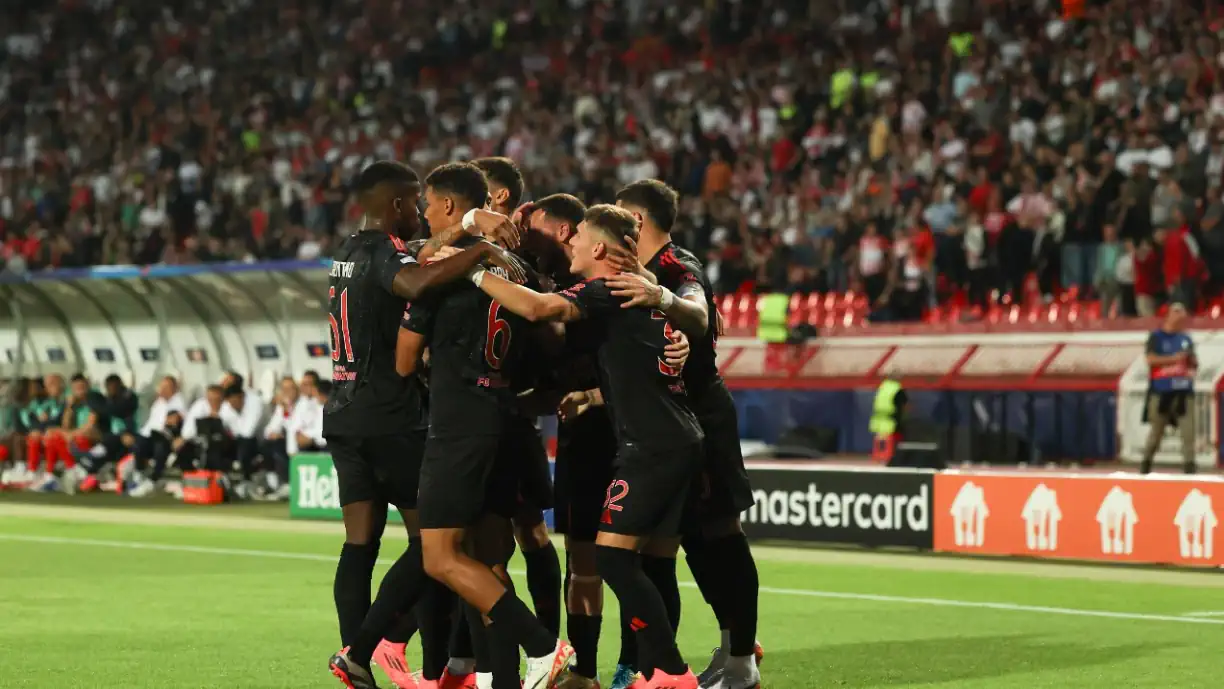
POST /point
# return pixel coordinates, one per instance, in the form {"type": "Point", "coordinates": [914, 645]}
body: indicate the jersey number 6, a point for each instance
{"type": "Point", "coordinates": [495, 350]}
{"type": "Point", "coordinates": [341, 327]}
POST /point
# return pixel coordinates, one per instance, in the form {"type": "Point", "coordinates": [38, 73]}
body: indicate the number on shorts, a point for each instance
{"type": "Point", "coordinates": [341, 329]}
{"type": "Point", "coordinates": [617, 490]}
{"type": "Point", "coordinates": [495, 349]}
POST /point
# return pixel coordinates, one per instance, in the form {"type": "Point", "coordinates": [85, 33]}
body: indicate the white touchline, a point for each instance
{"type": "Point", "coordinates": [1191, 618]}
{"type": "Point", "coordinates": [1216, 613]}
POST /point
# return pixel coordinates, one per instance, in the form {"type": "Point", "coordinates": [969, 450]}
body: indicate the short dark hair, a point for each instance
{"type": "Point", "coordinates": [461, 181]}
{"type": "Point", "coordinates": [324, 387]}
{"type": "Point", "coordinates": [504, 173]}
{"type": "Point", "coordinates": [79, 378]}
{"type": "Point", "coordinates": [114, 379]}
{"type": "Point", "coordinates": [563, 206]}
{"type": "Point", "coordinates": [310, 373]}
{"type": "Point", "coordinates": [614, 222]}
{"type": "Point", "coordinates": [660, 202]}
{"type": "Point", "coordinates": [238, 380]}
{"type": "Point", "coordinates": [382, 171]}
{"type": "Point", "coordinates": [234, 391]}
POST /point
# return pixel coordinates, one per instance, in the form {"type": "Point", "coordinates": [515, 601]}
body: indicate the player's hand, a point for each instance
{"type": "Point", "coordinates": [676, 353]}
{"type": "Point", "coordinates": [498, 228]}
{"type": "Point", "coordinates": [624, 258]}
{"type": "Point", "coordinates": [636, 289]}
{"type": "Point", "coordinates": [521, 217]}
{"type": "Point", "coordinates": [505, 260]}
{"type": "Point", "coordinates": [444, 252]}
{"type": "Point", "coordinates": [574, 405]}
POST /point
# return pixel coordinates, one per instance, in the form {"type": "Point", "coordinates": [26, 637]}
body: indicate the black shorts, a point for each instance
{"type": "Point", "coordinates": [523, 455]}
{"type": "Point", "coordinates": [649, 495]}
{"type": "Point", "coordinates": [385, 468]}
{"type": "Point", "coordinates": [725, 490]}
{"type": "Point", "coordinates": [586, 459]}
{"type": "Point", "coordinates": [456, 474]}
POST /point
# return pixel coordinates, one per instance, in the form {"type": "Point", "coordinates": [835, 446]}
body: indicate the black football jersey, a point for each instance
{"type": "Point", "coordinates": [478, 356]}
{"type": "Point", "coordinates": [368, 396]}
{"type": "Point", "coordinates": [679, 271]}
{"type": "Point", "coordinates": [645, 396]}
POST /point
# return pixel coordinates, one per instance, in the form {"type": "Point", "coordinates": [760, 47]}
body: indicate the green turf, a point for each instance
{"type": "Point", "coordinates": [181, 608]}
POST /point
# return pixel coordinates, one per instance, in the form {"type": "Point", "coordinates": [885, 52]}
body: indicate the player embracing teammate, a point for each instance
{"type": "Point", "coordinates": [659, 483]}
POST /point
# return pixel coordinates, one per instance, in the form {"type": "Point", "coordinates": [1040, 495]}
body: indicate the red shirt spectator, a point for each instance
{"type": "Point", "coordinates": [1181, 259]}
{"type": "Point", "coordinates": [1147, 274]}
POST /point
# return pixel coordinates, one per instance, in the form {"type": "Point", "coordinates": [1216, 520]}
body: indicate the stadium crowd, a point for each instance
{"type": "Point", "coordinates": [74, 437]}
{"type": "Point", "coordinates": [912, 150]}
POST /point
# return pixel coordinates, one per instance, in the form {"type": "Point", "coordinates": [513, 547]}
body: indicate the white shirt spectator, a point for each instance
{"type": "Point", "coordinates": [279, 423]}
{"type": "Point", "coordinates": [307, 414]}
{"type": "Point", "coordinates": [245, 423]}
{"type": "Point", "coordinates": [156, 423]}
{"type": "Point", "coordinates": [200, 409]}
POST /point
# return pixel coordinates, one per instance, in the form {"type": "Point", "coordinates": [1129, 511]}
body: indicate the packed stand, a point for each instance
{"type": "Point", "coordinates": [72, 437]}
{"type": "Point", "coordinates": [914, 152]}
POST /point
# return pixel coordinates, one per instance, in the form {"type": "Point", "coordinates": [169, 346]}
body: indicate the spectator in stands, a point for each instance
{"type": "Point", "coordinates": [1183, 265]}
{"type": "Point", "coordinates": [200, 444]}
{"type": "Point", "coordinates": [308, 432]}
{"type": "Point", "coordinates": [1172, 366]}
{"type": "Point", "coordinates": [1125, 273]}
{"type": "Point", "coordinates": [241, 414]}
{"type": "Point", "coordinates": [154, 444]}
{"type": "Point", "coordinates": [1149, 285]}
{"type": "Point", "coordinates": [1105, 282]}
{"type": "Point", "coordinates": [276, 434]}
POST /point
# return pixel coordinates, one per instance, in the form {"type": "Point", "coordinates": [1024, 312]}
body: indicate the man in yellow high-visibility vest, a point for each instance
{"type": "Point", "coordinates": [887, 411]}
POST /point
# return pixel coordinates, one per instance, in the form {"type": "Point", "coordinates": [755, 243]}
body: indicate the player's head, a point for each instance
{"type": "Point", "coordinates": [80, 386]}
{"type": "Point", "coordinates": [557, 217]}
{"type": "Point", "coordinates": [388, 193]}
{"type": "Point", "coordinates": [1175, 319]}
{"type": "Point", "coordinates": [289, 389]}
{"type": "Point", "coordinates": [322, 391]}
{"type": "Point", "coordinates": [215, 395]}
{"type": "Point", "coordinates": [310, 375]}
{"type": "Point", "coordinates": [167, 386]}
{"type": "Point", "coordinates": [114, 385]}
{"type": "Point", "coordinates": [54, 383]}
{"type": "Point", "coordinates": [602, 226]}
{"type": "Point", "coordinates": [505, 183]}
{"type": "Point", "coordinates": [652, 202]}
{"type": "Point", "coordinates": [236, 396]}
{"type": "Point", "coordinates": [452, 190]}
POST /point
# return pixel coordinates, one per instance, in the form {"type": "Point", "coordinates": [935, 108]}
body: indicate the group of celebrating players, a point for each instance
{"type": "Point", "coordinates": [446, 350]}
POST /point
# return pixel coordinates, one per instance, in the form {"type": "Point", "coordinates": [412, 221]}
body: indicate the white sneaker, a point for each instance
{"type": "Point", "coordinates": [281, 493]}
{"type": "Point", "coordinates": [34, 479]}
{"type": "Point", "coordinates": [44, 483]}
{"type": "Point", "coordinates": [175, 488]}
{"type": "Point", "coordinates": [73, 478]}
{"type": "Point", "coordinates": [142, 487]}
{"type": "Point", "coordinates": [740, 673]}
{"type": "Point", "coordinates": [543, 672]}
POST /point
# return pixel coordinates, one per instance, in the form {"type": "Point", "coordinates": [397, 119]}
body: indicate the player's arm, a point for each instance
{"type": "Point", "coordinates": [526, 302]}
{"type": "Point", "coordinates": [1155, 359]}
{"type": "Point", "coordinates": [494, 226]}
{"type": "Point", "coordinates": [402, 276]}
{"type": "Point", "coordinates": [409, 348]}
{"type": "Point", "coordinates": [687, 309]}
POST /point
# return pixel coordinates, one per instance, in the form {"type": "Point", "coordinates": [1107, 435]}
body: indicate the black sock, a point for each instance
{"type": "Point", "coordinates": [583, 633]}
{"type": "Point", "coordinates": [400, 589]}
{"type": "Point", "coordinates": [642, 605]}
{"type": "Point", "coordinates": [544, 584]}
{"type": "Point", "coordinates": [504, 658]}
{"type": "Point", "coordinates": [628, 649]}
{"type": "Point", "coordinates": [705, 571]}
{"type": "Point", "coordinates": [519, 624]}
{"type": "Point", "coordinates": [739, 572]}
{"type": "Point", "coordinates": [662, 573]}
{"type": "Point", "coordinates": [405, 627]}
{"type": "Point", "coordinates": [461, 636]}
{"type": "Point", "coordinates": [351, 588]}
{"type": "Point", "coordinates": [482, 651]}
{"type": "Point", "coordinates": [433, 614]}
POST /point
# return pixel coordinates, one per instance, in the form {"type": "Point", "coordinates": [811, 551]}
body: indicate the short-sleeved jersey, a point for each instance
{"type": "Point", "coordinates": [645, 396]}
{"type": "Point", "coordinates": [478, 356]}
{"type": "Point", "coordinates": [679, 271]}
{"type": "Point", "coordinates": [368, 396]}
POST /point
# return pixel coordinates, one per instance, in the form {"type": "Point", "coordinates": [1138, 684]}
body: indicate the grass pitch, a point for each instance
{"type": "Point", "coordinates": [162, 598]}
